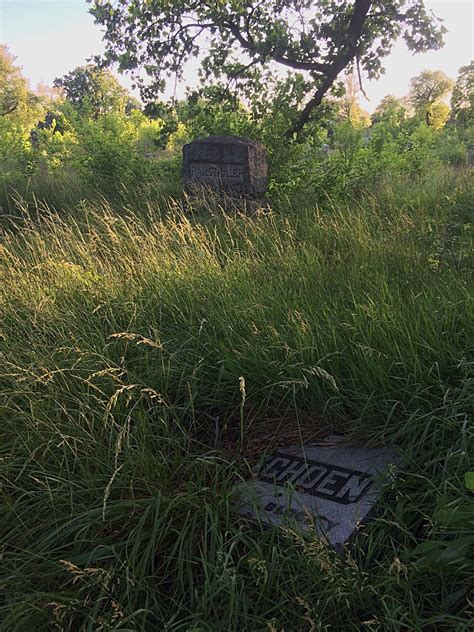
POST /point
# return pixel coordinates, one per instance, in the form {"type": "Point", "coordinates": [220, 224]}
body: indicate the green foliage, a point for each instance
{"type": "Point", "coordinates": [124, 336]}
{"type": "Point", "coordinates": [357, 159]}
{"type": "Point", "coordinates": [462, 98]}
{"type": "Point", "coordinates": [246, 39]}
{"type": "Point", "coordinates": [426, 93]}
{"type": "Point", "coordinates": [17, 102]}
{"type": "Point", "coordinates": [15, 149]}
{"type": "Point", "coordinates": [452, 540]}
{"type": "Point", "coordinates": [95, 138]}
{"type": "Point", "coordinates": [93, 91]}
{"type": "Point", "coordinates": [52, 149]}
{"type": "Point", "coordinates": [108, 153]}
{"type": "Point", "coordinates": [450, 147]}
{"type": "Point", "coordinates": [469, 481]}
{"type": "Point", "coordinates": [428, 87]}
{"type": "Point", "coordinates": [150, 340]}
{"type": "Point", "coordinates": [150, 134]}
{"type": "Point", "coordinates": [437, 114]}
{"type": "Point", "coordinates": [390, 110]}
{"type": "Point", "coordinates": [212, 112]}
{"type": "Point", "coordinates": [128, 325]}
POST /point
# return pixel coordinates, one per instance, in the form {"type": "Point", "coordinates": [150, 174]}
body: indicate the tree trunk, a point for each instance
{"type": "Point", "coordinates": [347, 54]}
{"type": "Point", "coordinates": [9, 111]}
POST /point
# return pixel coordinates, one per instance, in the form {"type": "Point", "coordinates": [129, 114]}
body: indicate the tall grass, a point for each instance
{"type": "Point", "coordinates": [124, 425]}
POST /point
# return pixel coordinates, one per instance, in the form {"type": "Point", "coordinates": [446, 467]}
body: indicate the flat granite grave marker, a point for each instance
{"type": "Point", "coordinates": [232, 164]}
{"type": "Point", "coordinates": [332, 484]}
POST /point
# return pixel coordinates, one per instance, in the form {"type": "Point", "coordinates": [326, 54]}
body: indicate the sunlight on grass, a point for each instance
{"type": "Point", "coordinates": [131, 340]}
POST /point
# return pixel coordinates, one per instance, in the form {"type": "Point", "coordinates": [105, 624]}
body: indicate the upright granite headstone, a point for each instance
{"type": "Point", "coordinates": [330, 484]}
{"type": "Point", "coordinates": [470, 157]}
{"type": "Point", "coordinates": [232, 164]}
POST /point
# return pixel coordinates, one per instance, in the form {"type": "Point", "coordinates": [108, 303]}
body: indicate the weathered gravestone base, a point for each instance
{"type": "Point", "coordinates": [227, 164]}
{"type": "Point", "coordinates": [329, 484]}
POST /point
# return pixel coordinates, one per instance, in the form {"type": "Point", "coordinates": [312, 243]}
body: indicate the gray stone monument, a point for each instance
{"type": "Point", "coordinates": [470, 157]}
{"type": "Point", "coordinates": [330, 484]}
{"type": "Point", "coordinates": [230, 164]}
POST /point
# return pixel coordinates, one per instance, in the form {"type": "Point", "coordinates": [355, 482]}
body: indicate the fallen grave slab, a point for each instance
{"type": "Point", "coordinates": [331, 485]}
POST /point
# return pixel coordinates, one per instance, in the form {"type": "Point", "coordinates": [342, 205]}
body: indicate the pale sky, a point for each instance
{"type": "Point", "coordinates": [51, 37]}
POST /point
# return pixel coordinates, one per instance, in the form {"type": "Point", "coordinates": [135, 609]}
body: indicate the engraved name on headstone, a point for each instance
{"type": "Point", "coordinates": [332, 485]}
{"type": "Point", "coordinates": [207, 172]}
{"type": "Point", "coordinates": [226, 163]}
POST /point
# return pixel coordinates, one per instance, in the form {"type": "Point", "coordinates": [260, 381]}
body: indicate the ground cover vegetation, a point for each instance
{"type": "Point", "coordinates": [152, 344]}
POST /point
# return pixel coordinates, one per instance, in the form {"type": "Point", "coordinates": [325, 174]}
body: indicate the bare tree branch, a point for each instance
{"type": "Point", "coordinates": [359, 75]}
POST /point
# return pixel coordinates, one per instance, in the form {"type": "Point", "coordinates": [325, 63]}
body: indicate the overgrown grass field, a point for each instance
{"type": "Point", "coordinates": [148, 355]}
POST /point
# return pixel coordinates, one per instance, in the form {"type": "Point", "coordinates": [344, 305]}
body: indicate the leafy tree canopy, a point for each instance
{"type": "Point", "coordinates": [240, 41]}
{"type": "Point", "coordinates": [462, 99]}
{"type": "Point", "coordinates": [93, 91]}
{"type": "Point", "coordinates": [429, 86]}
{"type": "Point", "coordinates": [426, 93]}
{"type": "Point", "coordinates": [16, 99]}
{"type": "Point", "coordinates": [391, 110]}
{"type": "Point", "coordinates": [438, 114]}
